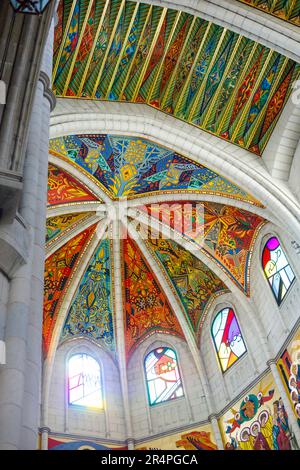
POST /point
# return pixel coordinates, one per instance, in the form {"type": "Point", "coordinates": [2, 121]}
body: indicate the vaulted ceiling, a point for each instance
{"type": "Point", "coordinates": [195, 70]}
{"type": "Point", "coordinates": [100, 284]}
{"type": "Point", "coordinates": [287, 10]}
{"type": "Point", "coordinates": [166, 282]}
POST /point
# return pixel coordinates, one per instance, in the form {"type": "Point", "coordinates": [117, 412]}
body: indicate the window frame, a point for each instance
{"type": "Point", "coordinates": [217, 311]}
{"type": "Point", "coordinates": [169, 400]}
{"type": "Point", "coordinates": [265, 240]}
{"type": "Point", "coordinates": [76, 406]}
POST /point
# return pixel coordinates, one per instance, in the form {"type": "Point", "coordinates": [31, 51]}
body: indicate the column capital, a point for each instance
{"type": "Point", "coordinates": [212, 416]}
{"type": "Point", "coordinates": [48, 93]}
{"type": "Point", "coordinates": [44, 429]}
{"type": "Point", "coordinates": [130, 443]}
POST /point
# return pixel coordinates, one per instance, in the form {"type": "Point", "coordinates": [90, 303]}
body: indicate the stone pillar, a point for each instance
{"type": "Point", "coordinates": [286, 401]}
{"type": "Point", "coordinates": [130, 444]}
{"type": "Point", "coordinates": [12, 374]}
{"type": "Point", "coordinates": [4, 289]}
{"type": "Point", "coordinates": [116, 232]}
{"type": "Point", "coordinates": [216, 430]}
{"type": "Point", "coordinates": [20, 378]}
{"type": "Point", "coordinates": [44, 437]}
{"type": "Point", "coordinates": [38, 153]}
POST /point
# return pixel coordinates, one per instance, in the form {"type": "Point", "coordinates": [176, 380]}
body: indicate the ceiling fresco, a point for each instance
{"type": "Point", "coordinates": [64, 188]}
{"type": "Point", "coordinates": [288, 10]}
{"type": "Point", "coordinates": [91, 311]}
{"type": "Point", "coordinates": [132, 167]}
{"type": "Point", "coordinates": [195, 284]}
{"type": "Point", "coordinates": [225, 233]}
{"type": "Point", "coordinates": [57, 227]}
{"type": "Point", "coordinates": [146, 306]}
{"type": "Point", "coordinates": [59, 269]}
{"type": "Point", "coordinates": [181, 64]}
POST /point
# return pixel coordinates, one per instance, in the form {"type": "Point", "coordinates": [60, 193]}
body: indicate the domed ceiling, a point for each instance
{"type": "Point", "coordinates": [109, 238]}
{"type": "Point", "coordinates": [185, 66]}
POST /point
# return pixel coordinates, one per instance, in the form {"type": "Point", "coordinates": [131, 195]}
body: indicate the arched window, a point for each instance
{"type": "Point", "coordinates": [162, 375]}
{"type": "Point", "coordinates": [277, 269]}
{"type": "Point", "coordinates": [227, 338]}
{"type": "Point", "coordinates": [84, 381]}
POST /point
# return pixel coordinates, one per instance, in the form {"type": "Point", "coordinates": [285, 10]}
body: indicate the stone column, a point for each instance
{"type": "Point", "coordinates": [12, 374]}
{"type": "Point", "coordinates": [4, 289]}
{"type": "Point", "coordinates": [20, 378]}
{"type": "Point", "coordinates": [216, 430]}
{"type": "Point", "coordinates": [286, 401]}
{"type": "Point", "coordinates": [130, 444]}
{"type": "Point", "coordinates": [38, 154]}
{"type": "Point", "coordinates": [44, 437]}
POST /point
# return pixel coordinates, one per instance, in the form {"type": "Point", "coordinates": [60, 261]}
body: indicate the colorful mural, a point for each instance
{"type": "Point", "coordinates": [58, 226]}
{"type": "Point", "coordinates": [131, 166]}
{"type": "Point", "coordinates": [190, 68]}
{"type": "Point", "coordinates": [146, 306]}
{"type": "Point", "coordinates": [287, 10]}
{"type": "Point", "coordinates": [59, 442]}
{"type": "Point", "coordinates": [59, 269]}
{"type": "Point", "coordinates": [259, 421]}
{"type": "Point", "coordinates": [91, 311]}
{"type": "Point", "coordinates": [195, 284]}
{"type": "Point", "coordinates": [224, 233]}
{"type": "Point", "coordinates": [200, 438]}
{"type": "Point", "coordinates": [63, 188]}
{"type": "Point", "coordinates": [289, 368]}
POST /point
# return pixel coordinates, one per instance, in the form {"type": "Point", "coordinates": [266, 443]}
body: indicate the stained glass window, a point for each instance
{"type": "Point", "coordinates": [84, 381]}
{"type": "Point", "coordinates": [277, 269]}
{"type": "Point", "coordinates": [227, 338]}
{"type": "Point", "coordinates": [163, 377]}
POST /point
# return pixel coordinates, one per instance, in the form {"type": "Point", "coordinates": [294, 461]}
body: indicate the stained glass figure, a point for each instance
{"type": "Point", "coordinates": [163, 377]}
{"type": "Point", "coordinates": [84, 382]}
{"type": "Point", "coordinates": [227, 338]}
{"type": "Point", "coordinates": [277, 269]}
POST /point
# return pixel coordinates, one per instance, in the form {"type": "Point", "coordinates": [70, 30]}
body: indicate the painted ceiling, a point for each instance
{"type": "Point", "coordinates": [64, 188]}
{"type": "Point", "coordinates": [145, 304]}
{"type": "Point", "coordinates": [181, 64]}
{"type": "Point", "coordinates": [91, 311]}
{"type": "Point", "coordinates": [59, 270]}
{"type": "Point", "coordinates": [195, 284]}
{"type": "Point", "coordinates": [131, 167]}
{"type": "Point", "coordinates": [80, 263]}
{"type": "Point", "coordinates": [226, 234]}
{"type": "Point", "coordinates": [288, 10]}
{"type": "Point", "coordinates": [57, 227]}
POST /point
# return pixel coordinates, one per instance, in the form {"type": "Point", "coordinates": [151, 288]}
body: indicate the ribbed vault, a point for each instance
{"type": "Point", "coordinates": [175, 255]}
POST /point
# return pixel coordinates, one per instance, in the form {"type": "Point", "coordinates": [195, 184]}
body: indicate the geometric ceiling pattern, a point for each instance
{"type": "Point", "coordinates": [195, 284]}
{"type": "Point", "coordinates": [185, 66]}
{"type": "Point", "coordinates": [91, 311]}
{"type": "Point", "coordinates": [146, 307]}
{"type": "Point", "coordinates": [226, 234]}
{"type": "Point", "coordinates": [58, 226]}
{"type": "Point", "coordinates": [64, 188]}
{"type": "Point", "coordinates": [131, 167]}
{"type": "Point", "coordinates": [288, 10]}
{"type": "Point", "coordinates": [59, 270]}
